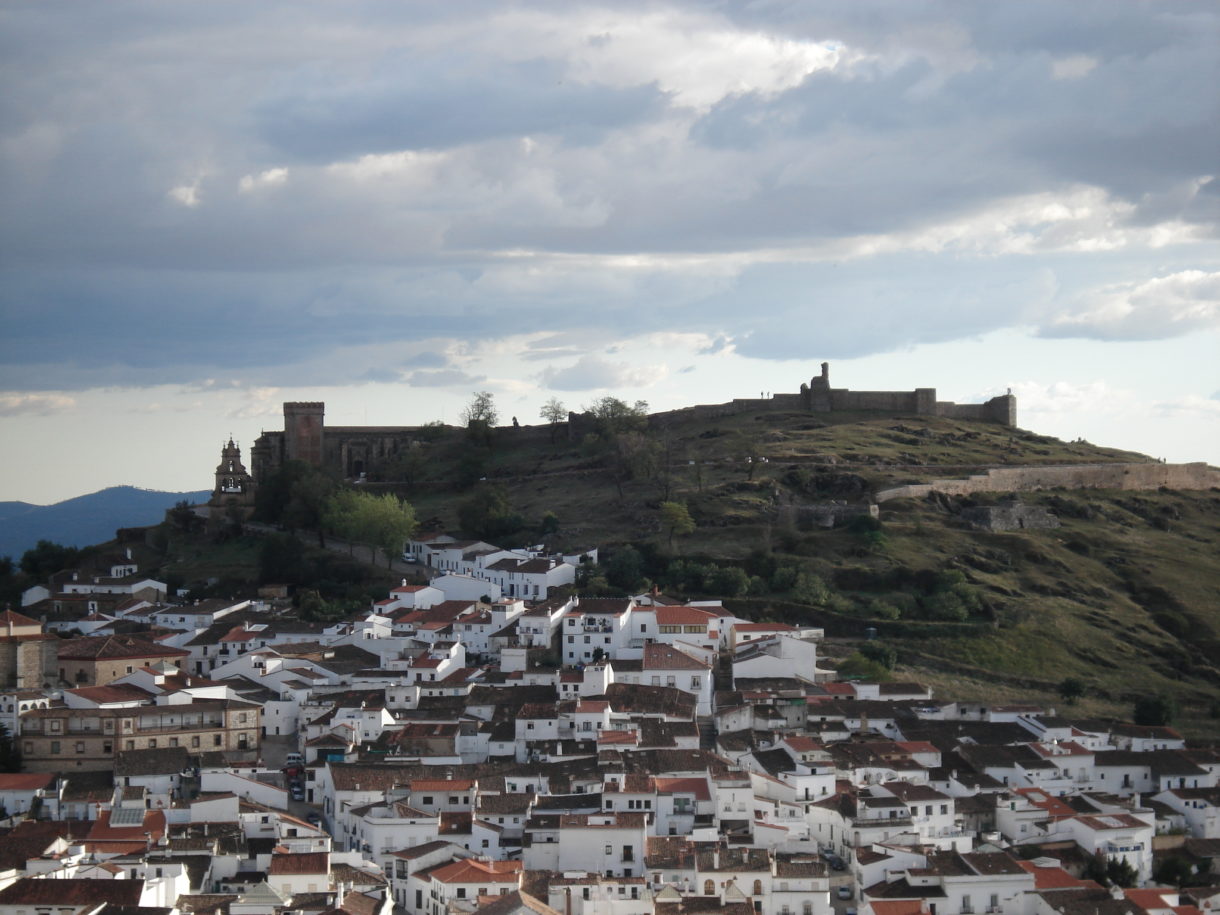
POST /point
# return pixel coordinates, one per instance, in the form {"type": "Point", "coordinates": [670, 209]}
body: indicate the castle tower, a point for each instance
{"type": "Point", "coordinates": [303, 428]}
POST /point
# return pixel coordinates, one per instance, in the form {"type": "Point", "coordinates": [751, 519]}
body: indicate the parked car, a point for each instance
{"type": "Point", "coordinates": [297, 791]}
{"type": "Point", "coordinates": [844, 892]}
{"type": "Point", "coordinates": [294, 759]}
{"type": "Point", "coordinates": [835, 862]}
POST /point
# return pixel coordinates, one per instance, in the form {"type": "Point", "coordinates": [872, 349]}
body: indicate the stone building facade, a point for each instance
{"type": "Point", "coordinates": [348, 452]}
{"type": "Point", "coordinates": [102, 659]}
{"type": "Point", "coordinates": [27, 654]}
{"type": "Point", "coordinates": [60, 739]}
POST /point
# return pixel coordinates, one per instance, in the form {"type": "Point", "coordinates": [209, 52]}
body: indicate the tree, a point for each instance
{"type": "Point", "coordinates": [308, 498]}
{"type": "Point", "coordinates": [281, 559]}
{"type": "Point", "coordinates": [728, 581]}
{"type": "Point", "coordinates": [857, 667]}
{"type": "Point", "coordinates": [481, 410]}
{"type": "Point", "coordinates": [883, 654]}
{"type": "Point", "coordinates": [488, 514]}
{"type": "Point", "coordinates": [10, 752]}
{"type": "Point", "coordinates": [385, 521]}
{"type": "Point", "coordinates": [1155, 710]}
{"type": "Point", "coordinates": [614, 416]}
{"type": "Point", "coordinates": [554, 412]}
{"type": "Point", "coordinates": [47, 558]}
{"type": "Point", "coordinates": [1071, 689]}
{"type": "Point", "coordinates": [549, 525]}
{"type": "Point", "coordinates": [625, 569]}
{"type": "Point", "coordinates": [341, 516]}
{"type": "Point", "coordinates": [674, 515]}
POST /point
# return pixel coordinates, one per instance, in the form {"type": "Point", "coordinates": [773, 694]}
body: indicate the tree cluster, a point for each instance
{"type": "Point", "coordinates": [383, 521]}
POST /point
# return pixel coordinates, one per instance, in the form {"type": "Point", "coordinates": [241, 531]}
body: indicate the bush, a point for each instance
{"type": "Point", "coordinates": [883, 610]}
{"type": "Point", "coordinates": [883, 654]}
{"type": "Point", "coordinates": [1155, 711]}
{"type": "Point", "coordinates": [728, 581]}
{"type": "Point", "coordinates": [857, 667]}
{"type": "Point", "coordinates": [810, 589]}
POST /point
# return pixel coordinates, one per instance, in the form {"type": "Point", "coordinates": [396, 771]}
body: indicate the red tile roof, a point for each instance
{"type": "Point", "coordinates": [316, 862]}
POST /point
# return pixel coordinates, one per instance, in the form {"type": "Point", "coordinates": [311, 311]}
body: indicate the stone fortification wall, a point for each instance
{"type": "Point", "coordinates": [1067, 476]}
{"type": "Point", "coordinates": [819, 397]}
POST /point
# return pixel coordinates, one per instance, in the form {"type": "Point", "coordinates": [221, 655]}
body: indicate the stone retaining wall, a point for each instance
{"type": "Point", "coordinates": [1067, 476]}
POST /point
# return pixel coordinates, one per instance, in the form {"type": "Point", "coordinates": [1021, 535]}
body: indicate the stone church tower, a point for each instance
{"type": "Point", "coordinates": [233, 495]}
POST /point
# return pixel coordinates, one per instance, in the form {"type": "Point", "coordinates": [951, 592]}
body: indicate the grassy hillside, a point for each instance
{"type": "Point", "coordinates": [1125, 595]}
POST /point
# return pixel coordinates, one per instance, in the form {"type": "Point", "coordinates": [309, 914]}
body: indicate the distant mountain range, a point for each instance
{"type": "Point", "coordinates": [84, 520]}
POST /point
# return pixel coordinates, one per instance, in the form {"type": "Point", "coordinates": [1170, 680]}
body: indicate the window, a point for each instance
{"type": "Point", "coordinates": [195, 741]}
{"type": "Point", "coordinates": [130, 744]}
{"type": "Point", "coordinates": [609, 849]}
{"type": "Point", "coordinates": [709, 888]}
{"type": "Point", "coordinates": [216, 740]}
{"type": "Point", "coordinates": [54, 746]}
{"type": "Point", "coordinates": [671, 681]}
{"type": "Point", "coordinates": [173, 741]}
{"type": "Point", "coordinates": [427, 799]}
{"type": "Point", "coordinates": [152, 743]}
{"type": "Point", "coordinates": [944, 809]}
{"type": "Point", "coordinates": [80, 746]}
{"type": "Point", "coordinates": [696, 682]}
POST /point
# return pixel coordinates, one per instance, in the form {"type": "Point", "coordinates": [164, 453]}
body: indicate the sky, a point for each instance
{"type": "Point", "coordinates": [212, 208]}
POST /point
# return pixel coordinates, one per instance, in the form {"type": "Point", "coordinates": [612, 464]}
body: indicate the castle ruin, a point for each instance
{"type": "Point", "coordinates": [819, 397]}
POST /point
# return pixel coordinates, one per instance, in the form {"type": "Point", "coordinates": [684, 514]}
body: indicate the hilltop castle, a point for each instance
{"type": "Point", "coordinates": [351, 451]}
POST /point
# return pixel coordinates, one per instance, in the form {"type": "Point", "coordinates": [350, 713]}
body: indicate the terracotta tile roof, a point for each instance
{"type": "Point", "coordinates": [471, 870]}
{"type": "Point", "coordinates": [25, 781]}
{"type": "Point", "coordinates": [683, 616]}
{"type": "Point", "coordinates": [29, 891]}
{"type": "Point", "coordinates": [103, 647]}
{"type": "Point", "coordinates": [665, 657]}
{"type": "Point", "coordinates": [317, 862]}
{"type": "Point", "coordinates": [117, 692]}
{"type": "Point", "coordinates": [695, 786]}
{"type": "Point", "coordinates": [8, 617]}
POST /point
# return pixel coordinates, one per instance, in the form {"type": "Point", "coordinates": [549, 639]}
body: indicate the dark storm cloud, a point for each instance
{"type": "Point", "coordinates": [437, 103]}
{"type": "Point", "coordinates": [195, 190]}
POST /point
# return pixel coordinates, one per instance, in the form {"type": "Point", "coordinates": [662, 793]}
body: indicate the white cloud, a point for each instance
{"type": "Point", "coordinates": [697, 59]}
{"type": "Point", "coordinates": [1156, 309]}
{"type": "Point", "coordinates": [1064, 397]}
{"type": "Point", "coordinates": [37, 404]}
{"type": "Point", "coordinates": [1073, 67]}
{"type": "Point", "coordinates": [185, 194]}
{"type": "Point", "coordinates": [591, 373]}
{"type": "Point", "coordinates": [272, 177]}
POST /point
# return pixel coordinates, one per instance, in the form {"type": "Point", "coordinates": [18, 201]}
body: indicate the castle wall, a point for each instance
{"type": "Point", "coordinates": [1194, 476]}
{"type": "Point", "coordinates": [843, 400]}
